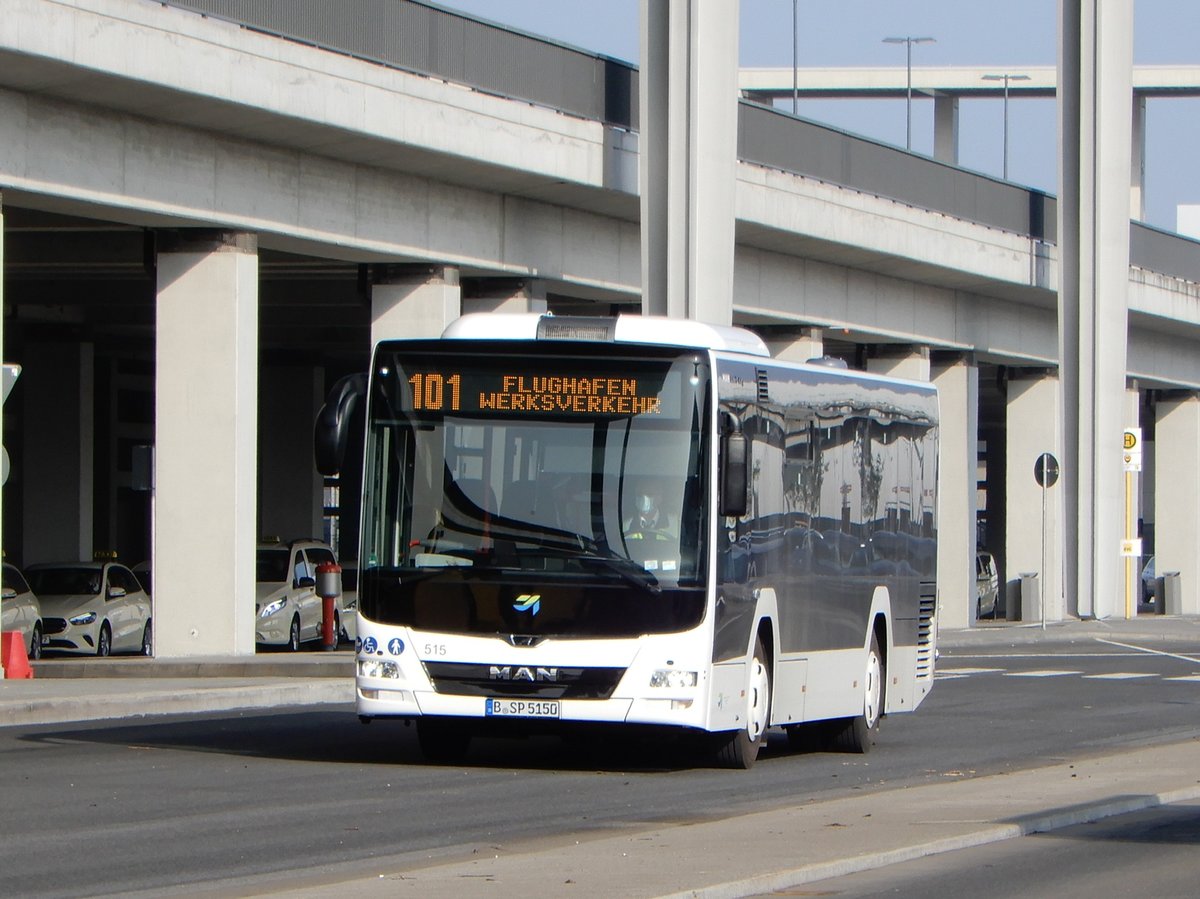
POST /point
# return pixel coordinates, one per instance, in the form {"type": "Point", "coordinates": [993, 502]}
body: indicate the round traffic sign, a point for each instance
{"type": "Point", "coordinates": [1045, 470]}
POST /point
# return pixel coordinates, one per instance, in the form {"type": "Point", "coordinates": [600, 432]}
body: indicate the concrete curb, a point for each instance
{"type": "Point", "coordinates": [286, 665]}
{"type": "Point", "coordinates": [167, 697]}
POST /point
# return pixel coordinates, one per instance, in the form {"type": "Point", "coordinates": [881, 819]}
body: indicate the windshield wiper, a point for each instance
{"type": "Point", "coordinates": [625, 568]}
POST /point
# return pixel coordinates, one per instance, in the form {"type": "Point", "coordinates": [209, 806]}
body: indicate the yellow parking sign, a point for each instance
{"type": "Point", "coordinates": [1131, 455]}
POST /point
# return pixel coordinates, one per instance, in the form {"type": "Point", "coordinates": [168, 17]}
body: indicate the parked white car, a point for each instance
{"type": "Point", "coordinates": [288, 610]}
{"type": "Point", "coordinates": [20, 610]}
{"type": "Point", "coordinates": [96, 608]}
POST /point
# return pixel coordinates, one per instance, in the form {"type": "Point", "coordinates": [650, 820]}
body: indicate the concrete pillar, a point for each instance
{"type": "Point", "coordinates": [414, 301]}
{"type": "Point", "coordinates": [796, 346]}
{"type": "Point", "coordinates": [58, 452]}
{"type": "Point", "coordinates": [1137, 160]}
{"type": "Point", "coordinates": [688, 158]}
{"type": "Point", "coordinates": [1177, 496]}
{"type": "Point", "coordinates": [504, 295]}
{"type": "Point", "coordinates": [945, 128]}
{"type": "Point", "coordinates": [1095, 87]}
{"type": "Point", "coordinates": [1, 397]}
{"type": "Point", "coordinates": [901, 362]}
{"type": "Point", "coordinates": [957, 380]}
{"type": "Point", "coordinates": [206, 420]}
{"type": "Point", "coordinates": [1032, 426]}
{"type": "Point", "coordinates": [290, 489]}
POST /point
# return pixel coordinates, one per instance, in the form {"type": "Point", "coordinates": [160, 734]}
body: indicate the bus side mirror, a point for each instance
{"type": "Point", "coordinates": [332, 429]}
{"type": "Point", "coordinates": [735, 453]}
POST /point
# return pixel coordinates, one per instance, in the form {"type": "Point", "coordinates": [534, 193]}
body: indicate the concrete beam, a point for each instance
{"type": "Point", "coordinates": [504, 295]}
{"type": "Point", "coordinates": [901, 362]}
{"type": "Point", "coordinates": [414, 301]}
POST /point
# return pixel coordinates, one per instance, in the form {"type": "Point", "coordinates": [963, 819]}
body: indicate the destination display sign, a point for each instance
{"type": "Point", "coordinates": [449, 390]}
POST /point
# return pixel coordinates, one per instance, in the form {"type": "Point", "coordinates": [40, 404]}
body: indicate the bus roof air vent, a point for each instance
{"type": "Point", "coordinates": [576, 327]}
{"type": "Point", "coordinates": [764, 392]}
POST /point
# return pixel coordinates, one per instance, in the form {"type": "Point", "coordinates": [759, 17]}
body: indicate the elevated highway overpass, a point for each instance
{"type": "Point", "coordinates": [192, 200]}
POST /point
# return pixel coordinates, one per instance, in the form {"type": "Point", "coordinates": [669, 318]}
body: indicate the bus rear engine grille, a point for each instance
{"type": "Point", "coordinates": [925, 630]}
{"type": "Point", "coordinates": [536, 681]}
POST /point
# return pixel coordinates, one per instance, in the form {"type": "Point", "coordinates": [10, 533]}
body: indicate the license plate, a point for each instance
{"type": "Point", "coordinates": [522, 708]}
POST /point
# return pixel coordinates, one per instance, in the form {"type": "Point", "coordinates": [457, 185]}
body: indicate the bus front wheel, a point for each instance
{"type": "Point", "coordinates": [858, 734]}
{"type": "Point", "coordinates": [739, 749]}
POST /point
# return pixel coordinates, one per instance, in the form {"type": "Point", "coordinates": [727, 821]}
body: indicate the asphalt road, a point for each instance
{"type": "Point", "coordinates": [147, 805]}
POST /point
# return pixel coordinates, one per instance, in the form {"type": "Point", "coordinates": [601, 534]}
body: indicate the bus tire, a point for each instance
{"type": "Point", "coordinates": [443, 739]}
{"type": "Point", "coordinates": [739, 748]}
{"type": "Point", "coordinates": [858, 734]}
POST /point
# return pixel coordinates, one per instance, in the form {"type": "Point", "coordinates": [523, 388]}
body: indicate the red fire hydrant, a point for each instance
{"type": "Point", "coordinates": [329, 588]}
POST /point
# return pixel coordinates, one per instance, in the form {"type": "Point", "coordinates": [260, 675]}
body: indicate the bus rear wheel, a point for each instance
{"type": "Point", "coordinates": [858, 734]}
{"type": "Point", "coordinates": [740, 748]}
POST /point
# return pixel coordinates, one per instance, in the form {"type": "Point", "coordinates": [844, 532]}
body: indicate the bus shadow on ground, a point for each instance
{"type": "Point", "coordinates": [340, 738]}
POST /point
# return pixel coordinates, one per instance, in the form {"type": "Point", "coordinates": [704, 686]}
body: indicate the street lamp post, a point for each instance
{"type": "Point", "coordinates": [1006, 77]}
{"type": "Point", "coordinates": [908, 41]}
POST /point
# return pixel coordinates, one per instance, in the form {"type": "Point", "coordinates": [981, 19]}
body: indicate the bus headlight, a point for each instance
{"type": "Point", "coordinates": [673, 678]}
{"type": "Point", "coordinates": [378, 668]}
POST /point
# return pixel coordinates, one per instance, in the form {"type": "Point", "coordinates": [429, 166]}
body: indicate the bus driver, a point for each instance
{"type": "Point", "coordinates": [649, 520]}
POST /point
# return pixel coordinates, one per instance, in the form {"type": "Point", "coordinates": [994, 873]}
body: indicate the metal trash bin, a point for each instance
{"type": "Point", "coordinates": [1012, 600]}
{"type": "Point", "coordinates": [1031, 597]}
{"type": "Point", "coordinates": [1169, 593]}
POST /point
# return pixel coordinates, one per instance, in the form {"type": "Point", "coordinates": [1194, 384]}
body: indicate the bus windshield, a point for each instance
{"type": "Point", "coordinates": [498, 475]}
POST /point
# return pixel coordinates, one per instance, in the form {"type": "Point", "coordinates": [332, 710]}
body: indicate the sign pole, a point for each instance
{"type": "Point", "coordinates": [1045, 580]}
{"type": "Point", "coordinates": [1131, 547]}
{"type": "Point", "coordinates": [1128, 536]}
{"type": "Point", "coordinates": [1045, 472]}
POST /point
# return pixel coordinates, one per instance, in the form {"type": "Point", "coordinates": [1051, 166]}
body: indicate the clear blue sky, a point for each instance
{"type": "Point", "coordinates": [1004, 35]}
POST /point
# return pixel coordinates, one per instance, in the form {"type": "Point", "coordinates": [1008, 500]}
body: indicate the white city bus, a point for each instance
{"type": "Point", "coordinates": [639, 521]}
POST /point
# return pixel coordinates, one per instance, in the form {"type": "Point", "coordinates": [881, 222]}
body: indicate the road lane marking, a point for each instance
{"type": "Point", "coordinates": [1155, 652]}
{"type": "Point", "coordinates": [962, 672]}
{"type": "Point", "coordinates": [1194, 678]}
{"type": "Point", "coordinates": [1042, 655]}
{"type": "Point", "coordinates": [1041, 673]}
{"type": "Point", "coordinates": [1118, 675]}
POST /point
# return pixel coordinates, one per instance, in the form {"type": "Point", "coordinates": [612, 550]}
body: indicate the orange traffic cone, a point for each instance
{"type": "Point", "coordinates": [13, 656]}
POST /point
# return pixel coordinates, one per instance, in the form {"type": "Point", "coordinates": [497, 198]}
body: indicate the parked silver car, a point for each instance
{"type": "Point", "coordinates": [20, 610]}
{"type": "Point", "coordinates": [288, 610]}
{"type": "Point", "coordinates": [987, 585]}
{"type": "Point", "coordinates": [1149, 583]}
{"type": "Point", "coordinates": [96, 608]}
